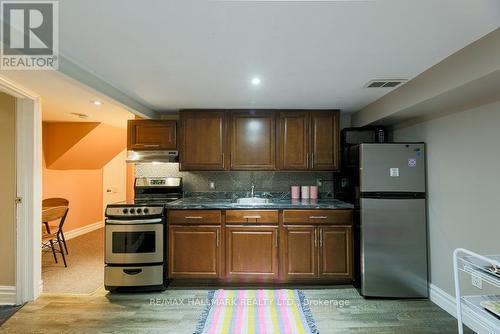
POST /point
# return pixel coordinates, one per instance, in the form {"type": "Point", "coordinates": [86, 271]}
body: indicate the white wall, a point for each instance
{"type": "Point", "coordinates": [463, 183]}
{"type": "Point", "coordinates": [114, 180]}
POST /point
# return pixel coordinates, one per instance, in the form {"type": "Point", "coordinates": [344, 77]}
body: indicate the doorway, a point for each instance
{"type": "Point", "coordinates": [21, 281]}
{"type": "Point", "coordinates": [84, 164]}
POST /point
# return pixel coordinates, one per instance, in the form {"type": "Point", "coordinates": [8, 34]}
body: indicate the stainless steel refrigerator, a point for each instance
{"type": "Point", "coordinates": [392, 222]}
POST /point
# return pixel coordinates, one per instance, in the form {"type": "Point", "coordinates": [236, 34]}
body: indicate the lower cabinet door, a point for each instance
{"type": "Point", "coordinates": [251, 253]}
{"type": "Point", "coordinates": [335, 245]}
{"type": "Point", "coordinates": [300, 252]}
{"type": "Point", "coordinates": [194, 251]}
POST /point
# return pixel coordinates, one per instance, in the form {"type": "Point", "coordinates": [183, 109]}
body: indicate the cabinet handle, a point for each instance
{"type": "Point", "coordinates": [251, 217]}
{"type": "Point", "coordinates": [193, 217]}
{"type": "Point", "coordinates": [151, 145]}
{"type": "Point", "coordinates": [321, 238]}
{"type": "Point", "coordinates": [315, 239]}
{"type": "Point", "coordinates": [318, 217]}
{"type": "Point", "coordinates": [312, 159]}
{"type": "Point", "coordinates": [275, 239]}
{"type": "Point", "coordinates": [217, 238]}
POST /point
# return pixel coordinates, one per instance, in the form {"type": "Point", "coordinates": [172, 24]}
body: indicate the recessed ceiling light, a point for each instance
{"type": "Point", "coordinates": [96, 102]}
{"type": "Point", "coordinates": [256, 81]}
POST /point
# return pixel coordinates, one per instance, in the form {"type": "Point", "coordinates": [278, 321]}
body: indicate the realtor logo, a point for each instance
{"type": "Point", "coordinates": [29, 34]}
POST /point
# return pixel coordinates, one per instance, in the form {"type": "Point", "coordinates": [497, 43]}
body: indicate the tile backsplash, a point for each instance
{"type": "Point", "coordinates": [235, 180]}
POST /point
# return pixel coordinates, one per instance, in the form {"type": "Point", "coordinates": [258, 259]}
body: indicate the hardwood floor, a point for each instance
{"type": "Point", "coordinates": [101, 312]}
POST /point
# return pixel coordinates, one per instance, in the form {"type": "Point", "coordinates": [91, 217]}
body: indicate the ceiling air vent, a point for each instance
{"type": "Point", "coordinates": [388, 83]}
{"type": "Point", "coordinates": [80, 115]}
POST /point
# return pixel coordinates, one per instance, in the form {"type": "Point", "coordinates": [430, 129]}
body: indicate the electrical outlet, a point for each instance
{"type": "Point", "coordinates": [477, 281]}
{"type": "Point", "coordinates": [344, 182]}
{"type": "Point", "coordinates": [319, 183]}
{"type": "Point", "coordinates": [211, 185]}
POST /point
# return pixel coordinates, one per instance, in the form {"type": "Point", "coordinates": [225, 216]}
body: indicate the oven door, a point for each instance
{"type": "Point", "coordinates": [139, 243]}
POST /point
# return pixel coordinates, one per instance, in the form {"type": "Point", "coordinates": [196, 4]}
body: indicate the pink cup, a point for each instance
{"type": "Point", "coordinates": [313, 192]}
{"type": "Point", "coordinates": [295, 192]}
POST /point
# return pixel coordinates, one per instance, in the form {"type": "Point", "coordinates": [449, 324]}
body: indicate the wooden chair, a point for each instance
{"type": "Point", "coordinates": [54, 202]}
{"type": "Point", "coordinates": [57, 213]}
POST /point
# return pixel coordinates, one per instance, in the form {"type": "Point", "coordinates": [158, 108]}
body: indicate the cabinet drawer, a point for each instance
{"type": "Point", "coordinates": [194, 217]}
{"type": "Point", "coordinates": [343, 217]}
{"type": "Point", "coordinates": [252, 216]}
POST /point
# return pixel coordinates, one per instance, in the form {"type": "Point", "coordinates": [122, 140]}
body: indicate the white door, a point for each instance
{"type": "Point", "coordinates": [114, 180]}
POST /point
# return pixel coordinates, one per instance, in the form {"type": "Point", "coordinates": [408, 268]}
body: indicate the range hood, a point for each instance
{"type": "Point", "coordinates": [152, 156]}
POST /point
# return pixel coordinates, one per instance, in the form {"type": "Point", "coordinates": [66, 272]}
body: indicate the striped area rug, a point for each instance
{"type": "Point", "coordinates": [256, 311]}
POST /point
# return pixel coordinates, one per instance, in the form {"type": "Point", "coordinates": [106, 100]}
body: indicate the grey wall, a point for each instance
{"type": "Point", "coordinates": [463, 183]}
{"type": "Point", "coordinates": [236, 181]}
{"type": "Point", "coordinates": [463, 72]}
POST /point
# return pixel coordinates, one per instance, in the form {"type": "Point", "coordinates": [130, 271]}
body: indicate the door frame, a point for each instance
{"type": "Point", "coordinates": [29, 190]}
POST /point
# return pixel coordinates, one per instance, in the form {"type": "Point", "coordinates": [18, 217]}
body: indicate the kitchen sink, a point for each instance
{"type": "Point", "coordinates": [253, 200]}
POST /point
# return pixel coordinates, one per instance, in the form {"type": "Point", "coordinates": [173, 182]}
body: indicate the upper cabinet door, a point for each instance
{"type": "Point", "coordinates": [293, 140]}
{"type": "Point", "coordinates": [151, 135]}
{"type": "Point", "coordinates": [203, 140]}
{"type": "Point", "coordinates": [253, 140]}
{"type": "Point", "coordinates": [325, 140]}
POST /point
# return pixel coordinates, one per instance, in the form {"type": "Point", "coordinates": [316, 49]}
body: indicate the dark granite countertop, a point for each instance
{"type": "Point", "coordinates": [190, 203]}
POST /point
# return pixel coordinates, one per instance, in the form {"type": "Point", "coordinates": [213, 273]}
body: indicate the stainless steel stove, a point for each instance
{"type": "Point", "coordinates": [135, 237]}
{"type": "Point", "coordinates": [157, 190]}
{"type": "Point", "coordinates": [134, 247]}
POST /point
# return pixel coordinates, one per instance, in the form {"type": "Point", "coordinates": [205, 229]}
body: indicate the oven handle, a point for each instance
{"type": "Point", "coordinates": [133, 222]}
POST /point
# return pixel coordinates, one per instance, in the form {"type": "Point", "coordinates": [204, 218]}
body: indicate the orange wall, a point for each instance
{"type": "Point", "coordinates": [81, 145]}
{"type": "Point", "coordinates": [83, 189]}
{"type": "Point", "coordinates": [77, 153]}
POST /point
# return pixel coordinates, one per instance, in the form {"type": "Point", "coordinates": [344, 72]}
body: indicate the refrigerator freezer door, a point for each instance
{"type": "Point", "coordinates": [393, 248]}
{"type": "Point", "coordinates": [392, 167]}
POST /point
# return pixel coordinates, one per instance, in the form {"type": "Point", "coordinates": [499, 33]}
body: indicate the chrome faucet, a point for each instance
{"type": "Point", "coordinates": [252, 190]}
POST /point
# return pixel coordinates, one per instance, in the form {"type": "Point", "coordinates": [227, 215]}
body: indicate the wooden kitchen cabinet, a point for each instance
{"type": "Point", "coordinates": [300, 252]}
{"type": "Point", "coordinates": [253, 140]}
{"type": "Point", "coordinates": [252, 216]}
{"type": "Point", "coordinates": [309, 140]}
{"type": "Point", "coordinates": [299, 217]}
{"type": "Point", "coordinates": [151, 135]}
{"type": "Point", "coordinates": [203, 143]}
{"type": "Point", "coordinates": [335, 252]}
{"type": "Point", "coordinates": [256, 140]}
{"type": "Point", "coordinates": [317, 252]}
{"type": "Point", "coordinates": [253, 245]}
{"type": "Point", "coordinates": [251, 253]}
{"type": "Point", "coordinates": [194, 251]}
{"type": "Point", "coordinates": [293, 140]}
{"type": "Point", "coordinates": [325, 146]}
{"type": "Point", "coordinates": [194, 217]}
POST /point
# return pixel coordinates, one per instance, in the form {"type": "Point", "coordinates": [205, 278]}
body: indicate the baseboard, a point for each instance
{"type": "Point", "coordinates": [448, 303]}
{"type": "Point", "coordinates": [7, 295]}
{"type": "Point", "coordinates": [83, 230]}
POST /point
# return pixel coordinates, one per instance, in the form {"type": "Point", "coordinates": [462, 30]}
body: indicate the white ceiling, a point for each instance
{"type": "Point", "coordinates": [62, 96]}
{"type": "Point", "coordinates": [188, 54]}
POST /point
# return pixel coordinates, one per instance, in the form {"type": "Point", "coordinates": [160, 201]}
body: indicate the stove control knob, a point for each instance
{"type": "Point", "coordinates": [132, 211]}
{"type": "Point", "coordinates": [125, 211]}
{"type": "Point", "coordinates": [146, 211]}
{"type": "Point", "coordinates": [139, 210]}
